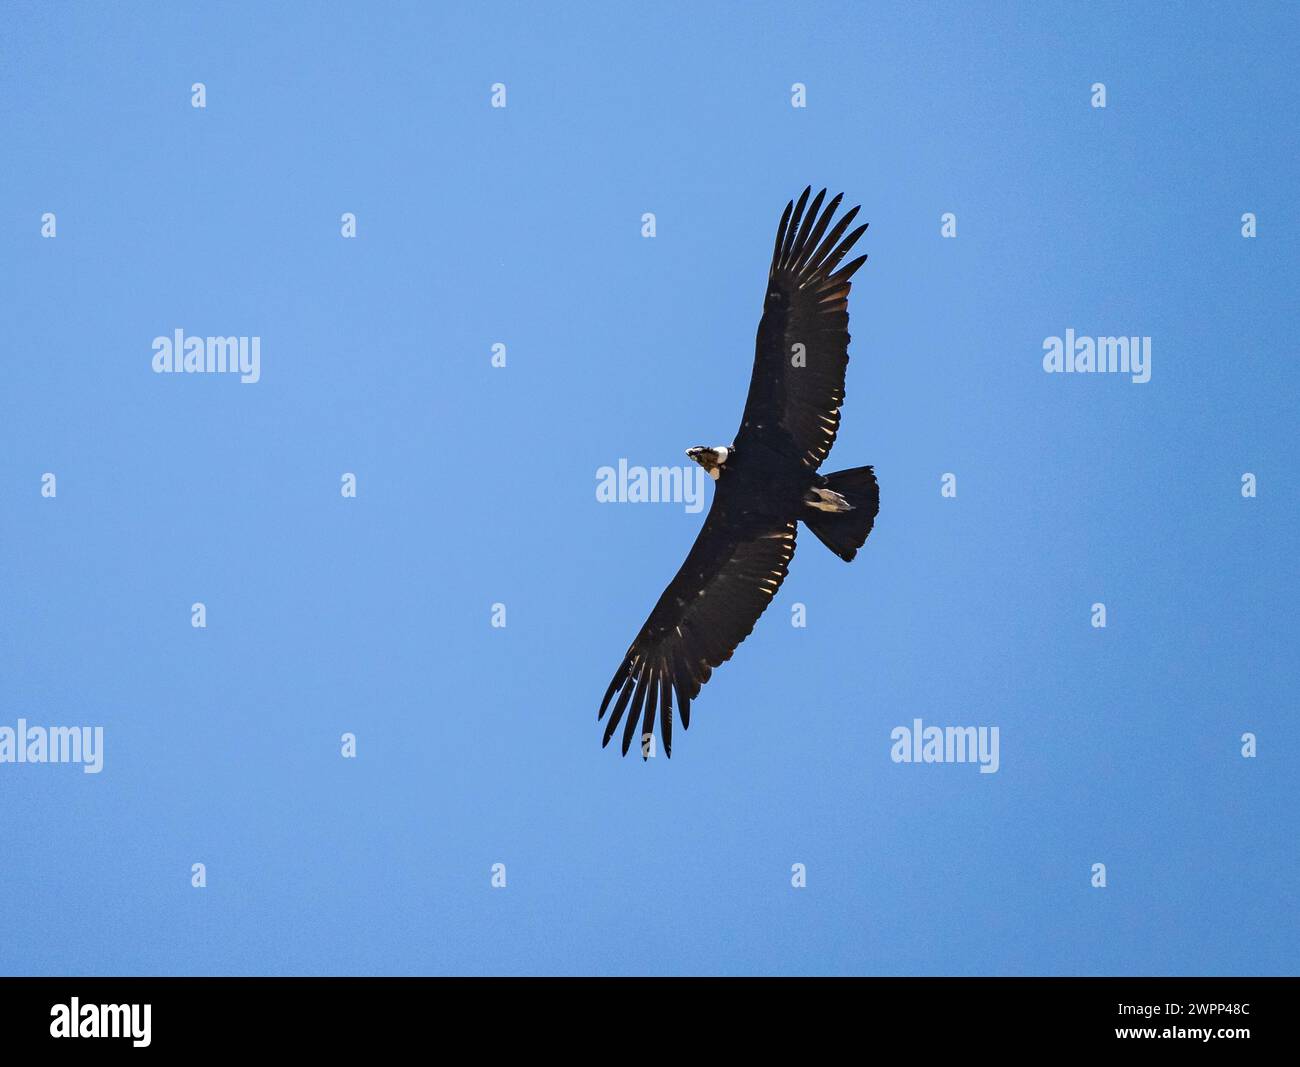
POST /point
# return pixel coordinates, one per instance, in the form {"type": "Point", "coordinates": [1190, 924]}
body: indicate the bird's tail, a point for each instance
{"type": "Point", "coordinates": [844, 510]}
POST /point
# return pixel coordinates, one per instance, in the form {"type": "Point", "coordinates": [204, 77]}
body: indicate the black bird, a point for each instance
{"type": "Point", "coordinates": [766, 482]}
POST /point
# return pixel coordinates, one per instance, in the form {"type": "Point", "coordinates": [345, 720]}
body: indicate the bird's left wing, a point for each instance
{"type": "Point", "coordinates": [802, 348]}
{"type": "Point", "coordinates": [730, 576]}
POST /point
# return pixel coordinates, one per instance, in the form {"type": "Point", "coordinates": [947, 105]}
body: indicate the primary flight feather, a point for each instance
{"type": "Point", "coordinates": [766, 482]}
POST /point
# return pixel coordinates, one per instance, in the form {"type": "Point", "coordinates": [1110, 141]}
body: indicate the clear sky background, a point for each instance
{"type": "Point", "coordinates": [479, 745]}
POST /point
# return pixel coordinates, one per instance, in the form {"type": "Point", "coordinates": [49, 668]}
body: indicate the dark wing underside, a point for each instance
{"type": "Point", "coordinates": [795, 409]}
{"type": "Point", "coordinates": [730, 575]}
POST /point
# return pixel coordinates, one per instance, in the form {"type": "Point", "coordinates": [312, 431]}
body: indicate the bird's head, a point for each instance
{"type": "Point", "coordinates": [712, 460]}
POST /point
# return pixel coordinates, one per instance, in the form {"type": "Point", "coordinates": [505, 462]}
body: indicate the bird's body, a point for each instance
{"type": "Point", "coordinates": [759, 481]}
{"type": "Point", "coordinates": [765, 483]}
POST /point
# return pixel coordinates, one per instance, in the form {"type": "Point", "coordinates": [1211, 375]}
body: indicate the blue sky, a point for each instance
{"type": "Point", "coordinates": [479, 745]}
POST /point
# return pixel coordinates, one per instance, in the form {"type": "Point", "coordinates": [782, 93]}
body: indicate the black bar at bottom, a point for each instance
{"type": "Point", "coordinates": [361, 1015]}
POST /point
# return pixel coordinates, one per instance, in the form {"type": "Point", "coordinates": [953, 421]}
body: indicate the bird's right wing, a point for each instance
{"type": "Point", "coordinates": [730, 576]}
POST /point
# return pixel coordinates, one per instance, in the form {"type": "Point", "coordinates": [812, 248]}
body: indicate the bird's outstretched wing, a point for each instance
{"type": "Point", "coordinates": [795, 395]}
{"type": "Point", "coordinates": [730, 575]}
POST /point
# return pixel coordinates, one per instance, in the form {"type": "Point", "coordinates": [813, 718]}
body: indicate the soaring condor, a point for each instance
{"type": "Point", "coordinates": [766, 482]}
